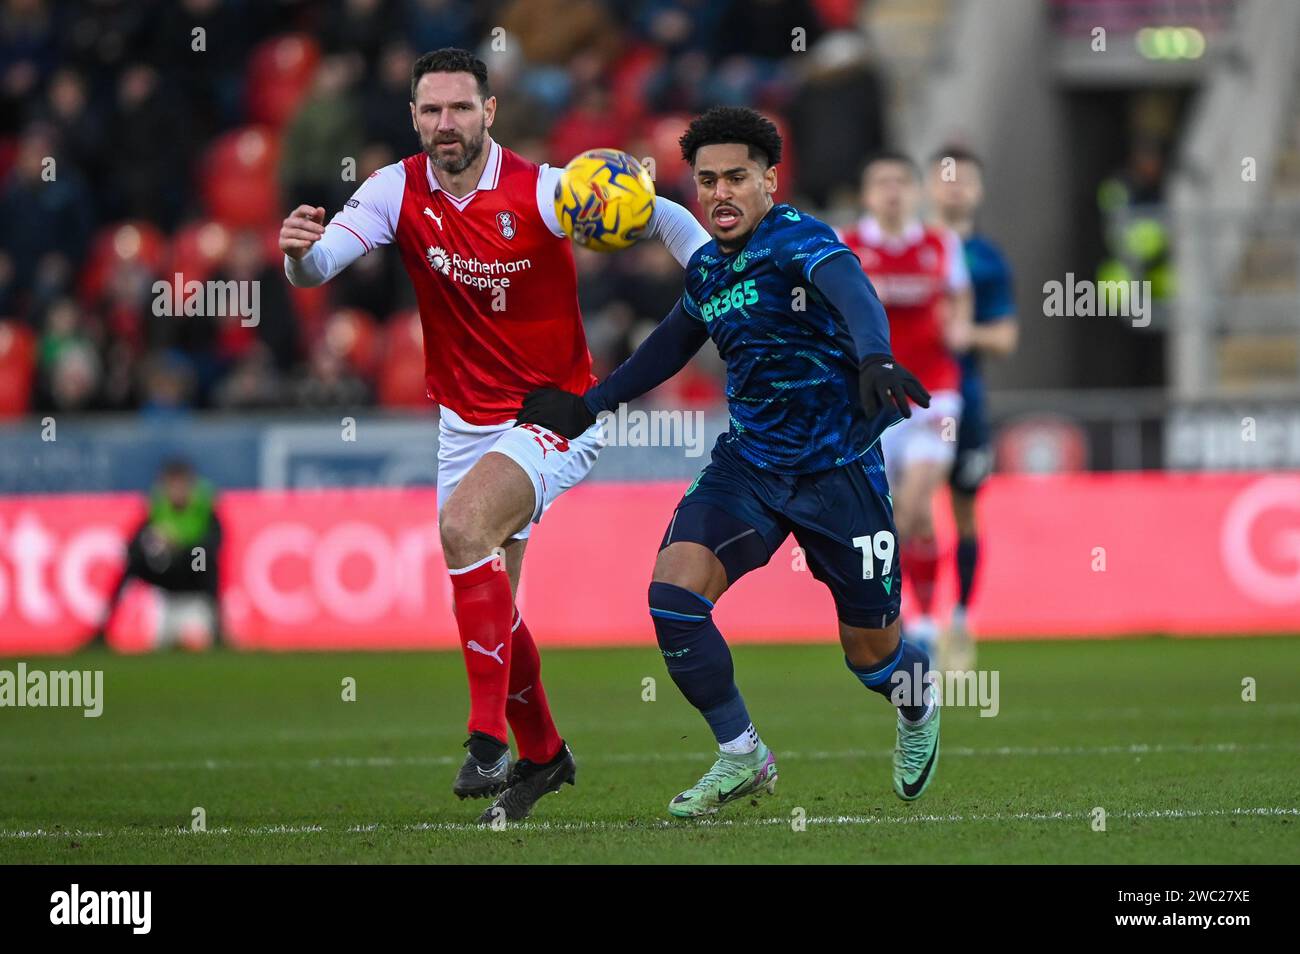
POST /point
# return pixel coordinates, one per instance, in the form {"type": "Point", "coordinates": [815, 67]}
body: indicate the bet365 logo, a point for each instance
{"type": "Point", "coordinates": [737, 296]}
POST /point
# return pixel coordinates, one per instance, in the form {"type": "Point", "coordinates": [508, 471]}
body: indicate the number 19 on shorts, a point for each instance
{"type": "Point", "coordinates": [881, 547]}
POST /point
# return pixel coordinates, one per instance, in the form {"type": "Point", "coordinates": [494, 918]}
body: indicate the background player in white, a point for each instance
{"type": "Point", "coordinates": [476, 228]}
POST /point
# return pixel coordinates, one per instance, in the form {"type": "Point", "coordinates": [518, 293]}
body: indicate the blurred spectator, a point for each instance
{"type": "Point", "coordinates": [151, 142]}
{"type": "Point", "coordinates": [115, 92]}
{"type": "Point", "coordinates": [590, 124]}
{"type": "Point", "coordinates": [276, 329]}
{"type": "Point", "coordinates": [753, 67]}
{"type": "Point", "coordinates": [79, 130]}
{"type": "Point", "coordinates": [654, 281]}
{"type": "Point", "coordinates": [68, 366]}
{"type": "Point", "coordinates": [839, 81]}
{"type": "Point", "coordinates": [207, 79]}
{"type": "Point", "coordinates": [166, 384]}
{"type": "Point", "coordinates": [388, 120]}
{"type": "Point", "coordinates": [45, 218]}
{"type": "Point", "coordinates": [1135, 222]}
{"type": "Point", "coordinates": [100, 38]}
{"type": "Point", "coordinates": [679, 26]}
{"type": "Point", "coordinates": [28, 54]}
{"type": "Point", "coordinates": [588, 34]}
{"type": "Point", "coordinates": [360, 26]}
{"type": "Point", "coordinates": [178, 546]}
{"type": "Point", "coordinates": [434, 24]}
{"type": "Point", "coordinates": [326, 130]}
{"type": "Point", "coordinates": [252, 384]}
{"type": "Point", "coordinates": [769, 28]}
{"type": "Point", "coordinates": [331, 381]}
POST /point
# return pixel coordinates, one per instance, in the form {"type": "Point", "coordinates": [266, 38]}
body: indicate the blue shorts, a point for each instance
{"type": "Point", "coordinates": [842, 519]}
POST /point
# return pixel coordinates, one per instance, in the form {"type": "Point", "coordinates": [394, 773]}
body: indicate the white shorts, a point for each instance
{"type": "Point", "coordinates": [552, 463]}
{"type": "Point", "coordinates": [930, 434]}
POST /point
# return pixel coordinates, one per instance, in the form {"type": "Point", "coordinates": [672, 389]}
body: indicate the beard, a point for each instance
{"type": "Point", "coordinates": [470, 150]}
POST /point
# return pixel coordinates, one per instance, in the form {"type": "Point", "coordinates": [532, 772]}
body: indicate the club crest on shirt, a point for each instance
{"type": "Point", "coordinates": [506, 223]}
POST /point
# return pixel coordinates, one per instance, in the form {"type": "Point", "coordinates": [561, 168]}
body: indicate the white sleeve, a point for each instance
{"type": "Point", "coordinates": [548, 177]}
{"type": "Point", "coordinates": [368, 220]}
{"type": "Point", "coordinates": [958, 278]}
{"type": "Point", "coordinates": [680, 231]}
{"type": "Point", "coordinates": [671, 223]}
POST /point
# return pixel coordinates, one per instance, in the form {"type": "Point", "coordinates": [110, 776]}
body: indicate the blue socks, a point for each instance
{"type": "Point", "coordinates": [880, 678]}
{"type": "Point", "coordinates": [700, 664]}
{"type": "Point", "coordinates": [698, 658]}
{"type": "Point", "coordinates": [968, 554]}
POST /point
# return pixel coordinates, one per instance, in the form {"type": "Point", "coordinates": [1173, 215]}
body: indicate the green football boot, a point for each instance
{"type": "Point", "coordinates": [732, 777]}
{"type": "Point", "coordinates": [916, 756]}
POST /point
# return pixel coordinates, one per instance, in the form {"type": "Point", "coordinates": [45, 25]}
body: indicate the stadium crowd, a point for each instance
{"type": "Point", "coordinates": [144, 140]}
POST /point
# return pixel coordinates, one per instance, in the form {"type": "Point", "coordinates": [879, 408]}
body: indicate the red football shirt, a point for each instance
{"type": "Point", "coordinates": [913, 274]}
{"type": "Point", "coordinates": [496, 287]}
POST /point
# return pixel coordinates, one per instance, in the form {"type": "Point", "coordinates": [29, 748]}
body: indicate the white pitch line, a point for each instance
{"type": "Point", "coordinates": [625, 758]}
{"type": "Point", "coordinates": [1156, 814]}
{"type": "Point", "coordinates": [1254, 711]}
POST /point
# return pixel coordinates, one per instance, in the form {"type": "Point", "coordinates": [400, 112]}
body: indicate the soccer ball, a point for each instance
{"type": "Point", "coordinates": [604, 200]}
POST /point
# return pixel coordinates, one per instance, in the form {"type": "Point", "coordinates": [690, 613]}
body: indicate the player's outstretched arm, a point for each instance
{"type": "Point", "coordinates": [661, 355]}
{"type": "Point", "coordinates": [882, 382]}
{"type": "Point", "coordinates": [312, 254]}
{"type": "Point", "coordinates": [680, 231]}
{"type": "Point", "coordinates": [315, 252]}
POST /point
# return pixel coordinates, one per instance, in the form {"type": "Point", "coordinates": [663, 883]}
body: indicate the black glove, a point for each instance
{"type": "Point", "coordinates": [883, 382]}
{"type": "Point", "coordinates": [564, 413]}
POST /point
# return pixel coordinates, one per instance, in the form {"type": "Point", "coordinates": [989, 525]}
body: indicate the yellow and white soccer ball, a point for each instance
{"type": "Point", "coordinates": [604, 200]}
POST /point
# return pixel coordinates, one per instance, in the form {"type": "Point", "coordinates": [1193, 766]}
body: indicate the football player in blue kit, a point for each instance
{"type": "Point", "coordinates": [811, 385]}
{"type": "Point", "coordinates": [956, 188]}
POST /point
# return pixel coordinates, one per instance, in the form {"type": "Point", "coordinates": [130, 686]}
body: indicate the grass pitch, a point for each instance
{"type": "Point", "coordinates": [1153, 731]}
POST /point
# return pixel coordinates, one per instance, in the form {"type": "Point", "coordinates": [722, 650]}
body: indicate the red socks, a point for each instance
{"type": "Point", "coordinates": [527, 709]}
{"type": "Point", "coordinates": [921, 564]}
{"type": "Point", "coordinates": [504, 667]}
{"type": "Point", "coordinates": [484, 610]}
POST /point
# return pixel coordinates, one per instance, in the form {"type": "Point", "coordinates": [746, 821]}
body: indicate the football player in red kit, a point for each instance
{"type": "Point", "coordinates": [919, 272]}
{"type": "Point", "coordinates": [476, 229]}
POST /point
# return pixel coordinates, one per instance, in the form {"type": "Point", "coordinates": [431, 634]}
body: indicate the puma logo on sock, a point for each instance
{"type": "Point", "coordinates": [495, 653]}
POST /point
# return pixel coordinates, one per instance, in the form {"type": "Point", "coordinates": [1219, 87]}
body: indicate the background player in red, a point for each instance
{"type": "Point", "coordinates": [919, 272]}
{"type": "Point", "coordinates": [494, 277]}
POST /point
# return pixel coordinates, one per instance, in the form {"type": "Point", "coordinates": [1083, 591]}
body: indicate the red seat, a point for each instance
{"type": "Point", "coordinates": [126, 243]}
{"type": "Point", "coordinates": [17, 366]}
{"type": "Point", "coordinates": [401, 373]}
{"type": "Point", "coordinates": [198, 250]}
{"type": "Point", "coordinates": [354, 335]}
{"type": "Point", "coordinates": [238, 178]}
{"type": "Point", "coordinates": [628, 81]}
{"type": "Point", "coordinates": [663, 134]}
{"type": "Point", "coordinates": [280, 71]}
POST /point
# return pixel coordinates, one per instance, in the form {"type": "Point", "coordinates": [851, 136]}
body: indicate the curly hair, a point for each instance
{"type": "Point", "coordinates": [727, 124]}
